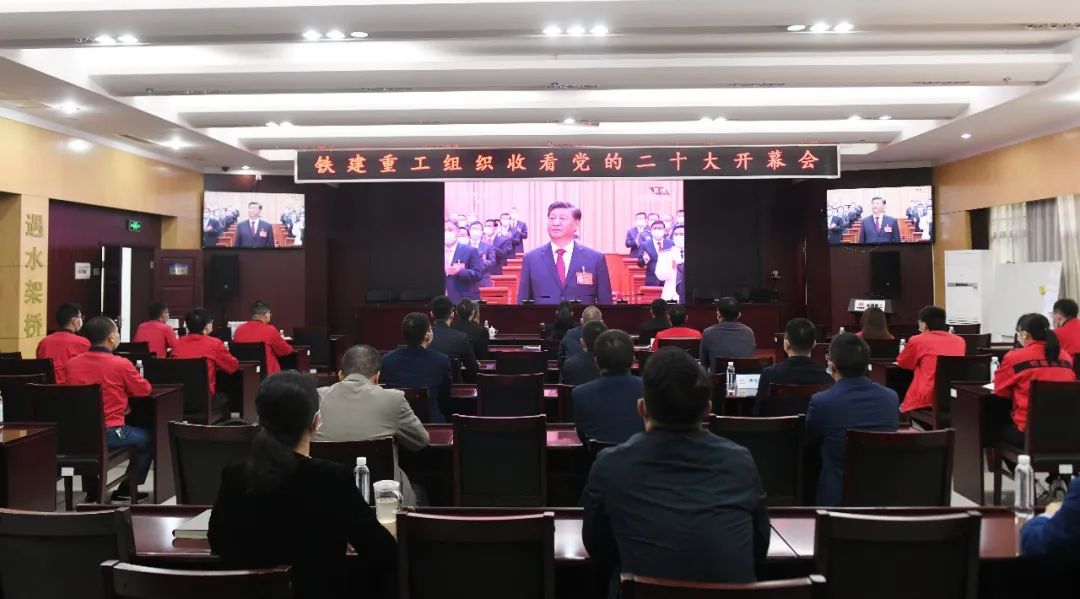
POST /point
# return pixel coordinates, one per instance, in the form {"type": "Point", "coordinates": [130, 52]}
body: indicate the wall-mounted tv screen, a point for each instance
{"type": "Point", "coordinates": [876, 215]}
{"type": "Point", "coordinates": [252, 220]}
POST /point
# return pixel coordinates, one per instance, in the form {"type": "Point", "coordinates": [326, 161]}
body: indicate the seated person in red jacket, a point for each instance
{"type": "Point", "coordinates": [257, 329]}
{"type": "Point", "coordinates": [65, 343]}
{"type": "Point", "coordinates": [119, 380]}
{"type": "Point", "coordinates": [154, 332]}
{"type": "Point", "coordinates": [1066, 325]}
{"type": "Point", "coordinates": [921, 354]}
{"type": "Point", "coordinates": [199, 344]}
{"type": "Point", "coordinates": [678, 329]}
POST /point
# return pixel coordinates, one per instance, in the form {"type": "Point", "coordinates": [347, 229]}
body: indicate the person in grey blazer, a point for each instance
{"type": "Point", "coordinates": [358, 409]}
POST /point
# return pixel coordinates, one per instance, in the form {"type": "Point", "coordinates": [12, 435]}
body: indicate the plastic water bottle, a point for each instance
{"type": "Point", "coordinates": [903, 344]}
{"type": "Point", "coordinates": [994, 363]}
{"type": "Point", "coordinates": [1, 410]}
{"type": "Point", "coordinates": [952, 330]}
{"type": "Point", "coordinates": [139, 367]}
{"type": "Point", "coordinates": [1024, 477]}
{"type": "Point", "coordinates": [842, 331]}
{"type": "Point", "coordinates": [363, 478]}
{"type": "Point", "coordinates": [730, 382]}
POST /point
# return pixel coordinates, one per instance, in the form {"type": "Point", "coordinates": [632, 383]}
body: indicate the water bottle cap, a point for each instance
{"type": "Point", "coordinates": [1024, 460]}
{"type": "Point", "coordinates": [361, 461]}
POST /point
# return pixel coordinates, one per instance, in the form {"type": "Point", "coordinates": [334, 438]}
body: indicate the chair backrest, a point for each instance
{"type": "Point", "coordinates": [250, 352]}
{"type": "Point", "coordinates": [777, 447]}
{"type": "Point", "coordinates": [520, 362]}
{"type": "Point", "coordinates": [134, 347]}
{"type": "Point", "coordinates": [500, 461]}
{"type": "Point", "coordinates": [127, 581]}
{"type": "Point", "coordinates": [643, 587]}
{"type": "Point", "coordinates": [1053, 419]}
{"type": "Point", "coordinates": [11, 355]}
{"type": "Point", "coordinates": [419, 401]}
{"type": "Point", "coordinates": [974, 344]}
{"type": "Point", "coordinates": [967, 329]}
{"type": "Point", "coordinates": [379, 454]}
{"type": "Point", "coordinates": [136, 356]}
{"type": "Point", "coordinates": [29, 366]}
{"type": "Point", "coordinates": [318, 341]}
{"type": "Point", "coordinates": [17, 404]}
{"type": "Point", "coordinates": [200, 453]}
{"type": "Point", "coordinates": [450, 556]}
{"type": "Point", "coordinates": [743, 365]}
{"type": "Point", "coordinates": [596, 446]}
{"type": "Point", "coordinates": [788, 400]}
{"type": "Point", "coordinates": [54, 555]}
{"type": "Point", "coordinates": [509, 394]}
{"type": "Point", "coordinates": [550, 347]}
{"type": "Point", "coordinates": [860, 555]}
{"type": "Point", "coordinates": [191, 374]}
{"type": "Point", "coordinates": [690, 345]}
{"type": "Point", "coordinates": [642, 356]}
{"type": "Point", "coordinates": [883, 349]}
{"type": "Point", "coordinates": [898, 469]}
{"type": "Point", "coordinates": [951, 369]}
{"type": "Point", "coordinates": [564, 408]}
{"type": "Point", "coordinates": [79, 416]}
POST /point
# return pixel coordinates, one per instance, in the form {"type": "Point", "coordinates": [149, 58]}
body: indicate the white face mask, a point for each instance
{"type": "Point", "coordinates": [639, 224]}
{"type": "Point", "coordinates": [657, 234]}
{"type": "Point", "coordinates": [449, 237]}
{"type": "Point", "coordinates": [678, 240]}
{"type": "Point", "coordinates": [475, 233]}
{"type": "Point", "coordinates": [680, 220]}
{"type": "Point", "coordinates": [488, 231]}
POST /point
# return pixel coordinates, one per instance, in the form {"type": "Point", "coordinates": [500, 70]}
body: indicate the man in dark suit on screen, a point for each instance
{"type": "Point", "coordinates": [634, 233]}
{"type": "Point", "coordinates": [837, 226]}
{"type": "Point", "coordinates": [878, 227]}
{"type": "Point", "coordinates": [650, 251]}
{"type": "Point", "coordinates": [462, 265]}
{"type": "Point", "coordinates": [564, 269]}
{"type": "Point", "coordinates": [254, 232]}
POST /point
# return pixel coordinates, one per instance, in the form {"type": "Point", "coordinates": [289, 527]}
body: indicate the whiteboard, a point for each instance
{"type": "Point", "coordinates": [1023, 288]}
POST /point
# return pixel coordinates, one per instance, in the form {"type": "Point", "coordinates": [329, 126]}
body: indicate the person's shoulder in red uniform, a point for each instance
{"type": "Point", "coordinates": [1068, 335]}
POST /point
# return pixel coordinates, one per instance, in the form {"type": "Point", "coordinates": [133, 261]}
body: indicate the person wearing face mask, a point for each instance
{"type": "Point", "coordinates": [199, 344]}
{"type": "Point", "coordinates": [484, 248]}
{"type": "Point", "coordinates": [669, 222]}
{"type": "Point", "coordinates": [837, 225]}
{"type": "Point", "coordinates": [680, 217]}
{"type": "Point", "coordinates": [646, 234]}
{"type": "Point", "coordinates": [634, 233]}
{"type": "Point", "coordinates": [651, 250]}
{"type": "Point", "coordinates": [668, 263]}
{"type": "Point", "coordinates": [518, 230]}
{"type": "Point", "coordinates": [461, 264]}
{"type": "Point", "coordinates": [499, 242]}
{"type": "Point", "coordinates": [65, 343]}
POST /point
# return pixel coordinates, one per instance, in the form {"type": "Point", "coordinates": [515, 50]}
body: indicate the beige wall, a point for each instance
{"type": "Point", "coordinates": [1040, 168]}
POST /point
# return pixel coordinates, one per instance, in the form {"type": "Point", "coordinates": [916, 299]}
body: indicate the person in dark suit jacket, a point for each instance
{"type": "Point", "coordinates": [879, 227]}
{"type": "Point", "coordinates": [584, 274]}
{"type": "Point", "coordinates": [854, 402]}
{"type": "Point", "coordinates": [462, 266]}
{"type": "Point", "coordinates": [211, 231]}
{"type": "Point", "coordinates": [837, 226]}
{"type": "Point", "coordinates": [485, 250]}
{"type": "Point", "coordinates": [451, 342]}
{"type": "Point", "coordinates": [415, 365]}
{"type": "Point", "coordinates": [500, 245]}
{"type": "Point", "coordinates": [675, 501]}
{"type": "Point", "coordinates": [798, 369]}
{"type": "Point", "coordinates": [649, 252]}
{"type": "Point", "coordinates": [279, 506]}
{"type": "Point", "coordinates": [468, 322]}
{"type": "Point", "coordinates": [254, 232]}
{"type": "Point", "coordinates": [518, 231]}
{"type": "Point", "coordinates": [605, 409]}
{"type": "Point", "coordinates": [659, 322]}
{"type": "Point", "coordinates": [571, 341]}
{"type": "Point", "coordinates": [634, 233]}
{"type": "Point", "coordinates": [581, 367]}
{"type": "Point", "coordinates": [1055, 534]}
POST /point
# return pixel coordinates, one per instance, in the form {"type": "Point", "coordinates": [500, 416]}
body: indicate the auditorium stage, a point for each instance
{"type": "Point", "coordinates": [379, 325]}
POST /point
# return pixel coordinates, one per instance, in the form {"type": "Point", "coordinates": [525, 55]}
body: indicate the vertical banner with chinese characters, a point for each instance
{"type": "Point", "coordinates": [679, 162]}
{"type": "Point", "coordinates": [24, 273]}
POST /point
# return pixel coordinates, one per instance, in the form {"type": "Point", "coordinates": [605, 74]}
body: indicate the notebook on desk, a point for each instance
{"type": "Point", "coordinates": [195, 528]}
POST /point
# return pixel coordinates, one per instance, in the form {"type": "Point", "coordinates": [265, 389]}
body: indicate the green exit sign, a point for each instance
{"type": "Point", "coordinates": [135, 226]}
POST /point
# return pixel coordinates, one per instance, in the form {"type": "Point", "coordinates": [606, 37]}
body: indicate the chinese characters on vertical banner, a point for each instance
{"type": "Point", "coordinates": [33, 292]}
{"type": "Point", "coordinates": [716, 162]}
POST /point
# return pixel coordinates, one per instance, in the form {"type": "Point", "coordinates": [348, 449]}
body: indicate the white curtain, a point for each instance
{"type": "Point", "coordinates": [1009, 233]}
{"type": "Point", "coordinates": [1043, 240]}
{"type": "Point", "coordinates": [1068, 212]}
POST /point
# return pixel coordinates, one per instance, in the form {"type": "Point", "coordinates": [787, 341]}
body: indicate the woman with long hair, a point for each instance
{"type": "Point", "coordinates": [564, 321]}
{"type": "Point", "coordinates": [280, 506]}
{"type": "Point", "coordinates": [873, 324]}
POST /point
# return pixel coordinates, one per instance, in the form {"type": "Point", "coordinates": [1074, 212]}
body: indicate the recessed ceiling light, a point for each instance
{"type": "Point", "coordinates": [796, 28]}
{"type": "Point", "coordinates": [1074, 98]}
{"type": "Point", "coordinates": [78, 145]}
{"type": "Point", "coordinates": [719, 119]}
{"type": "Point", "coordinates": [245, 168]}
{"type": "Point", "coordinates": [705, 120]}
{"type": "Point", "coordinates": [68, 108]}
{"type": "Point", "coordinates": [854, 117]}
{"type": "Point", "coordinates": [575, 30]}
{"type": "Point", "coordinates": [175, 144]}
{"type": "Point", "coordinates": [599, 30]}
{"type": "Point", "coordinates": [286, 124]}
{"type": "Point", "coordinates": [335, 34]}
{"type": "Point", "coordinates": [884, 117]}
{"type": "Point", "coordinates": [127, 38]}
{"type": "Point", "coordinates": [843, 27]}
{"type": "Point", "coordinates": [569, 120]}
{"type": "Point", "coordinates": [552, 30]}
{"type": "Point", "coordinates": [965, 136]}
{"type": "Point", "coordinates": [358, 34]}
{"type": "Point", "coordinates": [105, 40]}
{"type": "Point", "coordinates": [312, 35]}
{"type": "Point", "coordinates": [820, 27]}
{"type": "Point", "coordinates": [271, 123]}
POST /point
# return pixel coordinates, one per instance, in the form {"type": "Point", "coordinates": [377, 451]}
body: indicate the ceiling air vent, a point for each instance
{"type": "Point", "coordinates": [1052, 26]}
{"type": "Point", "coordinates": [968, 82]}
{"type": "Point", "coordinates": [136, 139]}
{"type": "Point", "coordinates": [755, 85]}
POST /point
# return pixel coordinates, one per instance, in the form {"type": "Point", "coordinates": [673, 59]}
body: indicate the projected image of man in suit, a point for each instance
{"type": "Point", "coordinates": [564, 269]}
{"type": "Point", "coordinates": [879, 227]}
{"type": "Point", "coordinates": [254, 232]}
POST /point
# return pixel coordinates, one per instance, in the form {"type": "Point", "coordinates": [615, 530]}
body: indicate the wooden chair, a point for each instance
{"type": "Point", "coordinates": [520, 362]}
{"type": "Point", "coordinates": [742, 365]}
{"type": "Point", "coordinates": [11, 355]}
{"type": "Point", "coordinates": [500, 462]}
{"type": "Point", "coordinates": [642, 357]}
{"type": "Point", "coordinates": [200, 453]}
{"type": "Point", "coordinates": [898, 469]}
{"type": "Point", "coordinates": [690, 345]}
{"type": "Point", "coordinates": [193, 375]}
{"type": "Point", "coordinates": [860, 555]}
{"type": "Point", "coordinates": [974, 344]}
{"type": "Point", "coordinates": [133, 347]}
{"type": "Point", "coordinates": [128, 581]}
{"type": "Point", "coordinates": [550, 347]}
{"type": "Point", "coordinates": [480, 557]}
{"type": "Point", "coordinates": [509, 394]}
{"type": "Point", "coordinates": [950, 369]}
{"type": "Point", "coordinates": [58, 556]}
{"type": "Point", "coordinates": [777, 447]}
{"type": "Point", "coordinates": [250, 352]}
{"type": "Point", "coordinates": [967, 329]}
{"type": "Point", "coordinates": [564, 408]}
{"type": "Point", "coordinates": [318, 340]}
{"type": "Point", "coordinates": [17, 405]}
{"type": "Point", "coordinates": [381, 455]}
{"type": "Point", "coordinates": [787, 400]}
{"type": "Point", "coordinates": [29, 366]}
{"type": "Point", "coordinates": [643, 587]}
{"type": "Point", "coordinates": [883, 349]}
{"type": "Point", "coordinates": [79, 417]}
{"type": "Point", "coordinates": [1050, 437]}
{"type": "Point", "coordinates": [419, 401]}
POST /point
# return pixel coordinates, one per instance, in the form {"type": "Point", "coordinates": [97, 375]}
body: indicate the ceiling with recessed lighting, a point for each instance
{"type": "Point", "coordinates": [246, 83]}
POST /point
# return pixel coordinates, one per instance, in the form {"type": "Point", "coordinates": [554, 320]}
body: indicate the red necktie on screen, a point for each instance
{"type": "Point", "coordinates": [560, 266]}
{"type": "Point", "coordinates": [877, 223]}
